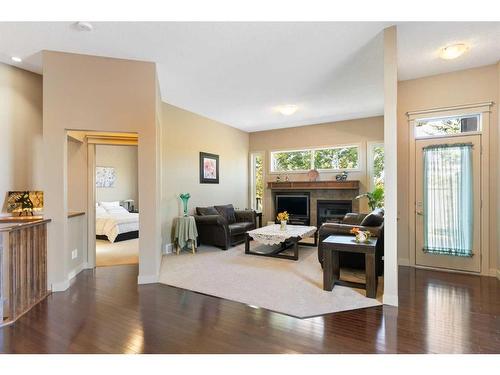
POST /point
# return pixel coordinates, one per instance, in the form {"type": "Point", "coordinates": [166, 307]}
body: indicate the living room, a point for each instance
{"type": "Point", "coordinates": [304, 187]}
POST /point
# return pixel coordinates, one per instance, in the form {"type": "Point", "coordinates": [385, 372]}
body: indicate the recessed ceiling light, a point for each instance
{"type": "Point", "coordinates": [287, 110]}
{"type": "Point", "coordinates": [453, 51]}
{"type": "Point", "coordinates": [16, 59]}
{"type": "Point", "coordinates": [84, 26]}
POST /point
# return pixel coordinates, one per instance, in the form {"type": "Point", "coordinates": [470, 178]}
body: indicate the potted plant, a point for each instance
{"type": "Point", "coordinates": [283, 218]}
{"type": "Point", "coordinates": [375, 197]}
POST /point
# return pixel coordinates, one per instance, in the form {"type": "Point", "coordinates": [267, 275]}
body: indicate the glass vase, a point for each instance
{"type": "Point", "coordinates": [185, 197]}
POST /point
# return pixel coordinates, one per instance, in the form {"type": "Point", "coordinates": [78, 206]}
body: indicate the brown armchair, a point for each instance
{"type": "Point", "coordinates": [223, 226]}
{"type": "Point", "coordinates": [373, 222]}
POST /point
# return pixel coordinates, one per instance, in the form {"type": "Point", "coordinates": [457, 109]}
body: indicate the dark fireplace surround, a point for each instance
{"type": "Point", "coordinates": [325, 205]}
{"type": "Point", "coordinates": [332, 211]}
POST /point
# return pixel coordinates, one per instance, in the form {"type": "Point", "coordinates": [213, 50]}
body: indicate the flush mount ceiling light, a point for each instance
{"type": "Point", "coordinates": [287, 110]}
{"type": "Point", "coordinates": [16, 59]}
{"type": "Point", "coordinates": [84, 26]}
{"type": "Point", "coordinates": [453, 51]}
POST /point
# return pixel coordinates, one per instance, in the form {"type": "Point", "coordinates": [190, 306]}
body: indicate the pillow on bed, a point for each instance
{"type": "Point", "coordinates": [100, 211]}
{"type": "Point", "coordinates": [116, 210]}
{"type": "Point", "coordinates": [110, 204]}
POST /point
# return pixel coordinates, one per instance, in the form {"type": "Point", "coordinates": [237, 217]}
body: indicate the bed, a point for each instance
{"type": "Point", "coordinates": [114, 223]}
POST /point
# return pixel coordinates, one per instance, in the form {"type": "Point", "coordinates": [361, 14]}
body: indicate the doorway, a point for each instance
{"type": "Point", "coordinates": [116, 205]}
{"type": "Point", "coordinates": [448, 203]}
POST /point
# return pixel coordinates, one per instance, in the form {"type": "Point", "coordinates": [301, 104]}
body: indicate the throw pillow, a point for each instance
{"type": "Point", "coordinates": [203, 211]}
{"type": "Point", "coordinates": [227, 211]}
{"type": "Point", "coordinates": [374, 219]}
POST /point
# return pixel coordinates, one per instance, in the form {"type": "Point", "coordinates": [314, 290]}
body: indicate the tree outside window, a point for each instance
{"type": "Point", "coordinates": [335, 158]}
{"type": "Point", "coordinates": [378, 166]}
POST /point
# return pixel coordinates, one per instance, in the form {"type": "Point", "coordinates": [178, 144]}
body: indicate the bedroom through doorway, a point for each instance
{"type": "Point", "coordinates": [116, 205]}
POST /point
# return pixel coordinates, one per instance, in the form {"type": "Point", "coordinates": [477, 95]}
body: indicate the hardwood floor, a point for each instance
{"type": "Point", "coordinates": [106, 312]}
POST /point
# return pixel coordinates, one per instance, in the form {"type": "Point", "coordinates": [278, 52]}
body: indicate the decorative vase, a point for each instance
{"type": "Point", "coordinates": [185, 197]}
{"type": "Point", "coordinates": [283, 225]}
{"type": "Point", "coordinates": [362, 236]}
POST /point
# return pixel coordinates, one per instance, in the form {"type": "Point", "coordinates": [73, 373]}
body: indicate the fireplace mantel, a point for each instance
{"type": "Point", "coordinates": [314, 185]}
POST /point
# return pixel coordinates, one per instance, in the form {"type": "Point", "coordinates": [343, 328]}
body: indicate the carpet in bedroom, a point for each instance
{"type": "Point", "coordinates": [117, 253]}
{"type": "Point", "coordinates": [290, 287]}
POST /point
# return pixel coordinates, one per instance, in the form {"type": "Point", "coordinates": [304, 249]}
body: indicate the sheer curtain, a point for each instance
{"type": "Point", "coordinates": [448, 200]}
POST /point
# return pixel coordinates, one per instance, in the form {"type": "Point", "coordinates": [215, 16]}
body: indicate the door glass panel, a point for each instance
{"type": "Point", "coordinates": [448, 200]}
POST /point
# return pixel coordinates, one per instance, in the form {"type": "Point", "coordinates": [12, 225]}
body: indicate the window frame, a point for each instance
{"type": "Point", "coordinates": [313, 149]}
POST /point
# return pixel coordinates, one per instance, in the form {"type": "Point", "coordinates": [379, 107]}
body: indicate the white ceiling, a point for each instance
{"type": "Point", "coordinates": [237, 73]}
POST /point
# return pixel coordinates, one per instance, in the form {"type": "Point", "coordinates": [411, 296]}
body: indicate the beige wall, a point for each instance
{"type": "Point", "coordinates": [124, 160]}
{"type": "Point", "coordinates": [463, 87]}
{"type": "Point", "coordinates": [184, 136]}
{"type": "Point", "coordinates": [100, 94]}
{"type": "Point", "coordinates": [359, 131]}
{"type": "Point", "coordinates": [77, 176]}
{"type": "Point", "coordinates": [21, 126]}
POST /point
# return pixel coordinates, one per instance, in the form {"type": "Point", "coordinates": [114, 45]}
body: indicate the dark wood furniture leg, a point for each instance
{"type": "Point", "coordinates": [331, 269]}
{"type": "Point", "coordinates": [295, 249]}
{"type": "Point", "coordinates": [371, 276]}
{"type": "Point", "coordinates": [247, 243]}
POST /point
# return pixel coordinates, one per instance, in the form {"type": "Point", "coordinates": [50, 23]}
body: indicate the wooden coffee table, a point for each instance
{"type": "Point", "coordinates": [286, 239]}
{"type": "Point", "coordinates": [331, 267]}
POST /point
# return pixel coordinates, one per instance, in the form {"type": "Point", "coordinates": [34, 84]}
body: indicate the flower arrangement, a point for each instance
{"type": "Point", "coordinates": [283, 216]}
{"type": "Point", "coordinates": [361, 235]}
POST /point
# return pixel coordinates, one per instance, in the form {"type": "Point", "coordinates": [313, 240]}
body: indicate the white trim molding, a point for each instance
{"type": "Point", "coordinates": [148, 279]}
{"type": "Point", "coordinates": [466, 108]}
{"type": "Point", "coordinates": [390, 300]}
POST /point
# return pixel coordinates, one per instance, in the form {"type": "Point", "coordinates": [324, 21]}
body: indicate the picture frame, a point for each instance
{"type": "Point", "coordinates": [209, 168]}
{"type": "Point", "coordinates": [105, 177]}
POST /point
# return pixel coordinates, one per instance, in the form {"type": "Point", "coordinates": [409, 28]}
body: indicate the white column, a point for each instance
{"type": "Point", "coordinates": [498, 184]}
{"type": "Point", "coordinates": [391, 167]}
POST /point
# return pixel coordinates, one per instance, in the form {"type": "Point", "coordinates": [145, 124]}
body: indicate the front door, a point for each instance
{"type": "Point", "coordinates": [448, 203]}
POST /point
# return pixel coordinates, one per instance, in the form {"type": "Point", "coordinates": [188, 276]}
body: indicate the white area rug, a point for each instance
{"type": "Point", "coordinates": [290, 287]}
{"type": "Point", "coordinates": [117, 253]}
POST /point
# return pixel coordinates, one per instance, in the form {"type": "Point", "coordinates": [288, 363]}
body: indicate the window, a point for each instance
{"type": "Point", "coordinates": [376, 164]}
{"type": "Point", "coordinates": [257, 179]}
{"type": "Point", "coordinates": [447, 126]}
{"type": "Point", "coordinates": [332, 158]}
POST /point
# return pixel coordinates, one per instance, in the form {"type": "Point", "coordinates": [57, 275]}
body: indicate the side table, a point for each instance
{"type": "Point", "coordinates": [331, 267]}
{"type": "Point", "coordinates": [185, 233]}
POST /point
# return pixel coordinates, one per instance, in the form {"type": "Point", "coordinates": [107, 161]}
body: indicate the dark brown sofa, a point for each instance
{"type": "Point", "coordinates": [374, 224]}
{"type": "Point", "coordinates": [223, 226]}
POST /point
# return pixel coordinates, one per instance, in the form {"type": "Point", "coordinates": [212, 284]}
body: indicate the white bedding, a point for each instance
{"type": "Point", "coordinates": [111, 224]}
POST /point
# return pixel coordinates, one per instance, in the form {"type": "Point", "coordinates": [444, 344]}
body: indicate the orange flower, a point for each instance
{"type": "Point", "coordinates": [355, 230]}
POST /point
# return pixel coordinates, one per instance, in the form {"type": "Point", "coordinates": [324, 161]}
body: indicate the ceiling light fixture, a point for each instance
{"type": "Point", "coordinates": [453, 51]}
{"type": "Point", "coordinates": [16, 59]}
{"type": "Point", "coordinates": [287, 110]}
{"type": "Point", "coordinates": [84, 26]}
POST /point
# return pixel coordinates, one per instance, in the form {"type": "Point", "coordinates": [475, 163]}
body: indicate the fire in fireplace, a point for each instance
{"type": "Point", "coordinates": [332, 211]}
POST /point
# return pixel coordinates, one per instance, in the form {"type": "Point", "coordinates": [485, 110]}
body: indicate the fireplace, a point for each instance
{"type": "Point", "coordinates": [332, 211]}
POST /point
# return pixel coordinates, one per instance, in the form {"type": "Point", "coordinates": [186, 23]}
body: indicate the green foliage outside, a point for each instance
{"type": "Point", "coordinates": [259, 180]}
{"type": "Point", "coordinates": [292, 161]}
{"type": "Point", "coordinates": [378, 165]}
{"type": "Point", "coordinates": [336, 158]}
{"type": "Point", "coordinates": [333, 158]}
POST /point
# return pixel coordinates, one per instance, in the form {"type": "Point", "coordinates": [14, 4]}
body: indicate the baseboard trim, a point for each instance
{"type": "Point", "coordinates": [148, 279]}
{"type": "Point", "coordinates": [60, 286]}
{"type": "Point", "coordinates": [403, 262]}
{"type": "Point", "coordinates": [168, 248]}
{"type": "Point", "coordinates": [72, 274]}
{"type": "Point", "coordinates": [390, 300]}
